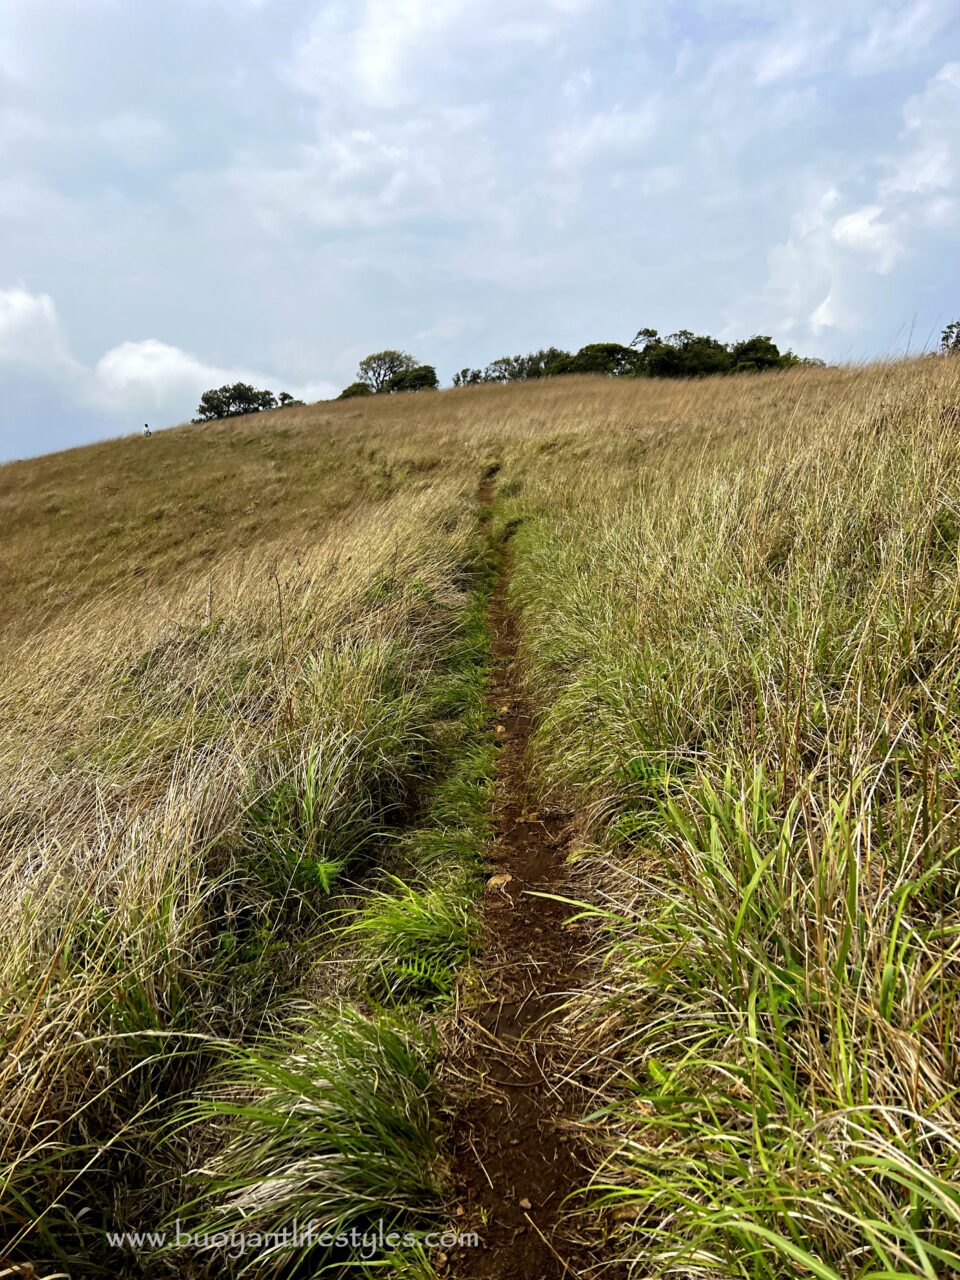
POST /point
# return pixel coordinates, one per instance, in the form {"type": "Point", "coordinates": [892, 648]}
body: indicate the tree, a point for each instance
{"type": "Point", "coordinates": [663, 360]}
{"type": "Point", "coordinates": [950, 339]}
{"type": "Point", "coordinates": [686, 354]}
{"type": "Point", "coordinates": [605, 357]}
{"type": "Point", "coordinates": [286, 401]}
{"type": "Point", "coordinates": [537, 364]}
{"type": "Point", "coordinates": [644, 338]}
{"type": "Point", "coordinates": [422, 377]}
{"type": "Point", "coordinates": [355, 389]}
{"type": "Point", "coordinates": [233, 401]}
{"type": "Point", "coordinates": [541, 364]}
{"type": "Point", "coordinates": [700, 355]}
{"type": "Point", "coordinates": [376, 370]}
{"type": "Point", "coordinates": [504, 369]}
{"type": "Point", "coordinates": [758, 352]}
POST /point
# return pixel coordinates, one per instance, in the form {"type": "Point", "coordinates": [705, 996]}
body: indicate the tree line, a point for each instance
{"type": "Point", "coordinates": [678, 355]}
{"type": "Point", "coordinates": [386, 372]}
{"type": "Point", "coordinates": [683, 354]}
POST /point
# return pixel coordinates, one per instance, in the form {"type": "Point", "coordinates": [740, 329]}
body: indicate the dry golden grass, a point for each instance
{"type": "Point", "coordinates": [133, 514]}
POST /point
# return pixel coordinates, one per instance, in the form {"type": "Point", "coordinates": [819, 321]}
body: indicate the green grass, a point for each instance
{"type": "Point", "coordinates": [413, 941]}
{"type": "Point", "coordinates": [416, 926]}
{"type": "Point", "coordinates": [333, 1125]}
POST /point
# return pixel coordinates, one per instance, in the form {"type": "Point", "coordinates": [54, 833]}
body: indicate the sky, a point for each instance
{"type": "Point", "coordinates": [201, 191]}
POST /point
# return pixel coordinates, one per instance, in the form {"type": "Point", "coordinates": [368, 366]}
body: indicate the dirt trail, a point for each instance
{"type": "Point", "coordinates": [516, 1154]}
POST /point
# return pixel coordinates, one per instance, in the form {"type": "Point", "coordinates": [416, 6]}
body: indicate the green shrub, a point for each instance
{"type": "Point", "coordinates": [354, 390]}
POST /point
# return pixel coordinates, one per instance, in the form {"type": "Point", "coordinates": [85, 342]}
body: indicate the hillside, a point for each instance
{"type": "Point", "coordinates": [528, 812]}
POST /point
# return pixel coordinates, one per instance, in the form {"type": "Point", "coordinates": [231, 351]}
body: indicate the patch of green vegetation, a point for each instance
{"type": "Point", "coordinates": [299, 837]}
{"type": "Point", "coordinates": [414, 940]}
{"type": "Point", "coordinates": [227, 772]}
{"type": "Point", "coordinates": [416, 930]}
{"type": "Point", "coordinates": [332, 1124]}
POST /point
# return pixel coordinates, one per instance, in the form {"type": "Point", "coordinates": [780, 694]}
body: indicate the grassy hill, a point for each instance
{"type": "Point", "coordinates": [252, 775]}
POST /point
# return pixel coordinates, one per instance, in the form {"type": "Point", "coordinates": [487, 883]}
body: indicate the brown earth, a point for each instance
{"type": "Point", "coordinates": [516, 1151]}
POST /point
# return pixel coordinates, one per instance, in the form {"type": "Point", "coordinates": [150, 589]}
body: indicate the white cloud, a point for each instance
{"type": "Point", "coordinates": [136, 139]}
{"type": "Point", "coordinates": [153, 373]}
{"type": "Point", "coordinates": [824, 38]}
{"type": "Point", "coordinates": [930, 161]}
{"type": "Point", "coordinates": [816, 282]}
{"type": "Point", "coordinates": [898, 32]}
{"type": "Point", "coordinates": [578, 85]}
{"type": "Point", "coordinates": [826, 315]}
{"type": "Point", "coordinates": [371, 57]}
{"type": "Point", "coordinates": [863, 231]}
{"type": "Point", "coordinates": [802, 52]}
{"type": "Point", "coordinates": [800, 293]}
{"type": "Point", "coordinates": [814, 278]}
{"type": "Point", "coordinates": [606, 135]}
{"type": "Point", "coordinates": [357, 179]}
{"type": "Point", "coordinates": [386, 54]}
{"type": "Point", "coordinates": [30, 332]}
{"type": "Point", "coordinates": [137, 378]}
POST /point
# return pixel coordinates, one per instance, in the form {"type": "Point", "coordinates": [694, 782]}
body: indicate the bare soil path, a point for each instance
{"type": "Point", "coordinates": [516, 1153]}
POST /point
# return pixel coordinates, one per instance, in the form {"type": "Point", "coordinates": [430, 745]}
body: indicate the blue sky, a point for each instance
{"type": "Point", "coordinates": [209, 189]}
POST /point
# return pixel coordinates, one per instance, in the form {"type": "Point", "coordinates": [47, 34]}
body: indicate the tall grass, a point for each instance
{"type": "Point", "coordinates": [338, 1133]}
{"type": "Point", "coordinates": [748, 676]}
{"type": "Point", "coordinates": [245, 788]}
{"type": "Point", "coordinates": [336, 1123]}
{"type": "Point", "coordinates": [196, 782]}
{"type": "Point", "coordinates": [415, 927]}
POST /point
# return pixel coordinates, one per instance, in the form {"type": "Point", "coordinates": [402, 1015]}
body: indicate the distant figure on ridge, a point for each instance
{"type": "Point", "coordinates": [147, 433]}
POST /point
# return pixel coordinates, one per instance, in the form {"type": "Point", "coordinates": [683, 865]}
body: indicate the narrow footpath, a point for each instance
{"type": "Point", "coordinates": [516, 1153]}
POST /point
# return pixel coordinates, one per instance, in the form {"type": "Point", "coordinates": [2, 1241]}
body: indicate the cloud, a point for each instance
{"type": "Point", "coordinates": [814, 278]}
{"type": "Point", "coordinates": [802, 52]}
{"type": "Point", "coordinates": [30, 332]}
{"type": "Point", "coordinates": [930, 159]}
{"type": "Point", "coordinates": [898, 33]}
{"type": "Point", "coordinates": [369, 50]}
{"type": "Point", "coordinates": [609, 135]}
{"type": "Point", "coordinates": [153, 373]}
{"type": "Point", "coordinates": [774, 43]}
{"type": "Point", "coordinates": [134, 378]}
{"type": "Point", "coordinates": [816, 283]}
{"type": "Point", "coordinates": [826, 315]}
{"type": "Point", "coordinates": [387, 54]}
{"type": "Point", "coordinates": [863, 231]}
{"type": "Point", "coordinates": [347, 181]}
{"type": "Point", "coordinates": [800, 297]}
{"type": "Point", "coordinates": [136, 139]}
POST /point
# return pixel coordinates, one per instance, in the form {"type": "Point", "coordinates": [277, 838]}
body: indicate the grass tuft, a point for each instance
{"type": "Point", "coordinates": [333, 1128]}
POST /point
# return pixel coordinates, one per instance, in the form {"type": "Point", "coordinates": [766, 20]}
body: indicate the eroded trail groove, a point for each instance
{"type": "Point", "coordinates": [516, 1152]}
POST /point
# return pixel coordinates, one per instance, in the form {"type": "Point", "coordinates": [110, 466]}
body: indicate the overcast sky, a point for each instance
{"type": "Point", "coordinates": [201, 190]}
